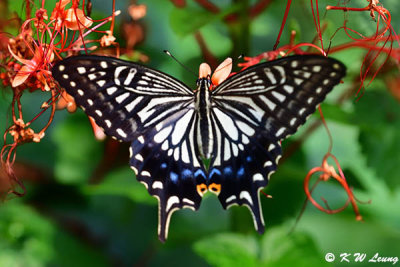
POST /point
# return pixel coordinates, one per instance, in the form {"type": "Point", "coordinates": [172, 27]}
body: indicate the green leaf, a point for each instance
{"type": "Point", "coordinates": [121, 182]}
{"type": "Point", "coordinates": [279, 248]}
{"type": "Point", "coordinates": [340, 233]}
{"type": "Point", "coordinates": [186, 21]}
{"type": "Point", "coordinates": [378, 115]}
{"type": "Point", "coordinates": [228, 250]}
{"type": "Point", "coordinates": [78, 153]}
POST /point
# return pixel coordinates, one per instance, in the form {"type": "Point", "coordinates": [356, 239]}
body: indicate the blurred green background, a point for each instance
{"type": "Point", "coordinates": [84, 206]}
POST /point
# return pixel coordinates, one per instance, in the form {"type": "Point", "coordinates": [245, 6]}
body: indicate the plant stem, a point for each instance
{"type": "Point", "coordinates": [240, 29]}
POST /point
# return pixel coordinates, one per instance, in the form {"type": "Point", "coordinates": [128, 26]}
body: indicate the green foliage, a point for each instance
{"type": "Point", "coordinates": [30, 239]}
{"type": "Point", "coordinates": [377, 111]}
{"type": "Point", "coordinates": [276, 248]}
{"type": "Point", "coordinates": [121, 182]}
{"type": "Point", "coordinates": [280, 248]}
{"type": "Point", "coordinates": [77, 151]}
{"type": "Point", "coordinates": [194, 20]}
{"type": "Point", "coordinates": [229, 250]}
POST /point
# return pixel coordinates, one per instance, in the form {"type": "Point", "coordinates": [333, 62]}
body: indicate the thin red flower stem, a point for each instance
{"type": "Point", "coordinates": [79, 28]}
{"type": "Point", "coordinates": [359, 44]}
{"type": "Point", "coordinates": [282, 24]}
{"type": "Point", "coordinates": [17, 99]}
{"type": "Point", "coordinates": [340, 180]}
{"type": "Point", "coordinates": [89, 31]}
{"type": "Point", "coordinates": [395, 35]}
{"type": "Point", "coordinates": [372, 8]}
{"type": "Point", "coordinates": [296, 47]}
{"type": "Point", "coordinates": [337, 164]}
{"type": "Point", "coordinates": [53, 110]}
{"type": "Point", "coordinates": [317, 21]}
{"type": "Point", "coordinates": [380, 67]}
{"type": "Point", "coordinates": [363, 76]}
{"type": "Point", "coordinates": [329, 7]}
{"type": "Point", "coordinates": [52, 101]}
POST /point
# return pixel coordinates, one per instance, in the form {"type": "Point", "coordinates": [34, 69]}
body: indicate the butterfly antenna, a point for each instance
{"type": "Point", "coordinates": [180, 63]}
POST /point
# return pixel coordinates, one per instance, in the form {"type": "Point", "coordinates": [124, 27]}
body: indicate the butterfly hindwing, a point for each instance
{"type": "Point", "coordinates": [165, 161]}
{"type": "Point", "coordinates": [245, 158]}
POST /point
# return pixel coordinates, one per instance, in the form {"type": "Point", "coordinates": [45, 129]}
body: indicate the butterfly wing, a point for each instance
{"type": "Point", "coordinates": [124, 98]}
{"type": "Point", "coordinates": [256, 109]}
{"type": "Point", "coordinates": [150, 109]}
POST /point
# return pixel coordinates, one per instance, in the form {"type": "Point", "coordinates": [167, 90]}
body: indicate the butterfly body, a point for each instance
{"type": "Point", "coordinates": [203, 107]}
{"type": "Point", "coordinates": [237, 126]}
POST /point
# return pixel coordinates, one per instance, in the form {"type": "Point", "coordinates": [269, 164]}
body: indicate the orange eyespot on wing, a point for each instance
{"type": "Point", "coordinates": [215, 188]}
{"type": "Point", "coordinates": [201, 189]}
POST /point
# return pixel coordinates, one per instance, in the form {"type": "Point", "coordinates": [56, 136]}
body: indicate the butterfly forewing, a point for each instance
{"type": "Point", "coordinates": [281, 94]}
{"type": "Point", "coordinates": [124, 98]}
{"type": "Point", "coordinates": [249, 114]}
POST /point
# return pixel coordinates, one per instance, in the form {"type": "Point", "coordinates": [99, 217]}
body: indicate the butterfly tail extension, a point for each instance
{"type": "Point", "coordinates": [168, 204]}
{"type": "Point", "coordinates": [164, 161]}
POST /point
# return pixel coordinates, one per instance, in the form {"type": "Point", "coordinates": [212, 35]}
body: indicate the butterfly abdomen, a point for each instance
{"type": "Point", "coordinates": [203, 106]}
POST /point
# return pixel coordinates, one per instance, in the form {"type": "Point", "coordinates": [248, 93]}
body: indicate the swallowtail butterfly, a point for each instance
{"type": "Point", "coordinates": [237, 126]}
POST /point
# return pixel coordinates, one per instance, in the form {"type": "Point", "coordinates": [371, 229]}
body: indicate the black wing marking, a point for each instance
{"type": "Point", "coordinates": [124, 98]}
{"type": "Point", "coordinates": [253, 111]}
{"type": "Point", "coordinates": [151, 109]}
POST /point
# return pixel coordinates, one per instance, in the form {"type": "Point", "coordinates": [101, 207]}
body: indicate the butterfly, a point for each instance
{"type": "Point", "coordinates": [186, 142]}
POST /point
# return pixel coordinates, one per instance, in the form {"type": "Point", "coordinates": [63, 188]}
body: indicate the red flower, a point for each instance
{"type": "Point", "coordinates": [37, 66]}
{"type": "Point", "coordinates": [72, 18]}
